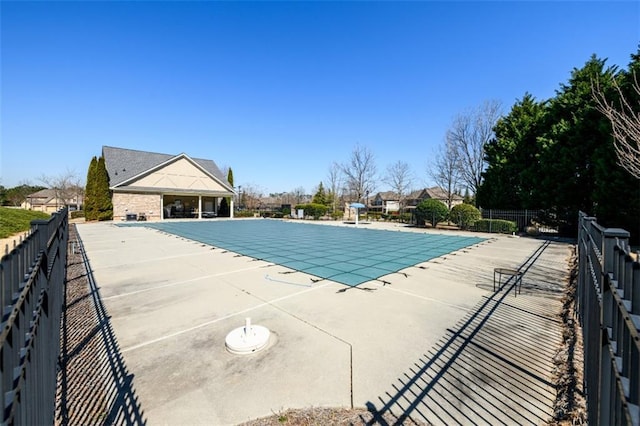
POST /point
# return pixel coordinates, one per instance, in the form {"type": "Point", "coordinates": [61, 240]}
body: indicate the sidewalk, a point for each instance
{"type": "Point", "coordinates": [495, 366]}
{"type": "Point", "coordinates": [434, 343]}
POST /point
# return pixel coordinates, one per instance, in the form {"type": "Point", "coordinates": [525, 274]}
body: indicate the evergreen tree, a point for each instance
{"type": "Point", "coordinates": [225, 205]}
{"type": "Point", "coordinates": [513, 156]}
{"type": "Point", "coordinates": [230, 177]}
{"type": "Point", "coordinates": [320, 197]}
{"type": "Point", "coordinates": [104, 206]}
{"type": "Point", "coordinates": [224, 208]}
{"type": "Point", "coordinates": [90, 205]}
{"type": "Point", "coordinates": [616, 196]}
{"type": "Point", "coordinates": [559, 155]}
{"type": "Point", "coordinates": [576, 139]}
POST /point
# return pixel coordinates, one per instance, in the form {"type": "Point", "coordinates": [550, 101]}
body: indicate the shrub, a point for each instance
{"type": "Point", "coordinates": [337, 215]}
{"type": "Point", "coordinates": [224, 210]}
{"type": "Point", "coordinates": [496, 225]}
{"type": "Point", "coordinates": [77, 213]}
{"type": "Point", "coordinates": [313, 209]}
{"type": "Point", "coordinates": [374, 216]}
{"type": "Point", "coordinates": [243, 213]}
{"type": "Point", "coordinates": [394, 217]}
{"type": "Point", "coordinates": [432, 211]}
{"type": "Point", "coordinates": [405, 217]}
{"type": "Point", "coordinates": [464, 215]}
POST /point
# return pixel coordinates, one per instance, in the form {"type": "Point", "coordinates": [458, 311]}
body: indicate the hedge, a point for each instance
{"type": "Point", "coordinates": [313, 209]}
{"type": "Point", "coordinates": [244, 213]}
{"type": "Point", "coordinates": [496, 225]}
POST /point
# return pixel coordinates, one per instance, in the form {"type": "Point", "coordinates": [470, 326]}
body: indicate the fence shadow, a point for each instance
{"type": "Point", "coordinates": [493, 367]}
{"type": "Point", "coordinates": [94, 385]}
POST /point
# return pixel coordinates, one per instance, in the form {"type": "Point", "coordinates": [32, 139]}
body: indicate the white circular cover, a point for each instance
{"type": "Point", "coordinates": [247, 340]}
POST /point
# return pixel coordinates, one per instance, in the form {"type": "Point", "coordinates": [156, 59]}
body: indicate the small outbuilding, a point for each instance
{"type": "Point", "coordinates": [153, 186]}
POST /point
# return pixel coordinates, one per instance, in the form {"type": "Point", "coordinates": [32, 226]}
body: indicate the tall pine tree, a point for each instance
{"type": "Point", "coordinates": [104, 204]}
{"type": "Point", "coordinates": [230, 177]}
{"type": "Point", "coordinates": [320, 196]}
{"type": "Point", "coordinates": [225, 204]}
{"type": "Point", "coordinates": [90, 209]}
{"type": "Point", "coordinates": [559, 155]}
{"type": "Point", "coordinates": [513, 158]}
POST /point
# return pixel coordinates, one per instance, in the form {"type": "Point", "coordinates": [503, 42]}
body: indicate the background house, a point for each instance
{"type": "Point", "coordinates": [435, 193]}
{"type": "Point", "coordinates": [51, 200]}
{"type": "Point", "coordinates": [385, 202]}
{"type": "Point", "coordinates": [164, 186]}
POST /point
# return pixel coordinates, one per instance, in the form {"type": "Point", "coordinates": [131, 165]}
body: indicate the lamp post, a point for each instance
{"type": "Point", "coordinates": [367, 203]}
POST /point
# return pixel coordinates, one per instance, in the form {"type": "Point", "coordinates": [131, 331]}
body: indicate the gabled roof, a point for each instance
{"type": "Point", "coordinates": [416, 195]}
{"type": "Point", "coordinates": [440, 194]}
{"type": "Point", "coordinates": [434, 192]}
{"type": "Point", "coordinates": [126, 164]}
{"type": "Point", "coordinates": [43, 193]}
{"type": "Point", "coordinates": [387, 196]}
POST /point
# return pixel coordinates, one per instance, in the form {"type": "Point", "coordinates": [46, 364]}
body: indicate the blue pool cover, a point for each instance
{"type": "Point", "coordinates": [348, 255]}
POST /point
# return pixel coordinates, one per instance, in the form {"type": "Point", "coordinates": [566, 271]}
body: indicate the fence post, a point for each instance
{"type": "Point", "coordinates": [611, 237]}
{"type": "Point", "coordinates": [41, 227]}
{"type": "Point", "coordinates": [490, 219]}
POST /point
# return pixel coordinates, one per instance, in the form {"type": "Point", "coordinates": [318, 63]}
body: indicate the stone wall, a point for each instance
{"type": "Point", "coordinates": [124, 203]}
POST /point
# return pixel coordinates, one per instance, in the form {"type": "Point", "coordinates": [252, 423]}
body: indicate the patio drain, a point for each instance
{"type": "Point", "coordinates": [248, 339]}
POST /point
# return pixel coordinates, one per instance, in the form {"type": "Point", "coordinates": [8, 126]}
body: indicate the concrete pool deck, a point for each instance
{"type": "Point", "coordinates": [434, 342]}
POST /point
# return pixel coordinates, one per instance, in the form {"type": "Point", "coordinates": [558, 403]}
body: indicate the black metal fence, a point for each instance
{"type": "Point", "coordinates": [609, 312]}
{"type": "Point", "coordinates": [541, 220]}
{"type": "Point", "coordinates": [32, 280]}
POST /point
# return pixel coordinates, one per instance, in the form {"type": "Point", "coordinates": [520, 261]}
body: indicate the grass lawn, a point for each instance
{"type": "Point", "coordinates": [15, 221]}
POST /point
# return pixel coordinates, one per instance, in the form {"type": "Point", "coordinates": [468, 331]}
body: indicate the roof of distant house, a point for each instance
{"type": "Point", "coordinates": [43, 193]}
{"type": "Point", "coordinates": [387, 196]}
{"type": "Point", "coordinates": [438, 193]}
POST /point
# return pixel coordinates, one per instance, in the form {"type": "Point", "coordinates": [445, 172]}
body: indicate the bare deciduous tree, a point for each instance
{"type": "Point", "coordinates": [445, 169]}
{"type": "Point", "coordinates": [67, 187]}
{"type": "Point", "coordinates": [469, 134]}
{"type": "Point", "coordinates": [299, 195]}
{"type": "Point", "coordinates": [334, 184]}
{"type": "Point", "coordinates": [400, 178]}
{"type": "Point", "coordinates": [625, 122]}
{"type": "Point", "coordinates": [360, 172]}
{"type": "Point", "coordinates": [250, 196]}
{"type": "Point", "coordinates": [225, 170]}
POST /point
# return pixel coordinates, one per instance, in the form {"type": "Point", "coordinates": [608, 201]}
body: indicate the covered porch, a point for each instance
{"type": "Point", "coordinates": [195, 206]}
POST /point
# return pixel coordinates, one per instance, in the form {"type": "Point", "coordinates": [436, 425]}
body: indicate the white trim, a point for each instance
{"type": "Point", "coordinates": [166, 163]}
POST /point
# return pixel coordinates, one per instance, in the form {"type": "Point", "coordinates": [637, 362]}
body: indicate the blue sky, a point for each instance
{"type": "Point", "coordinates": [278, 91]}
